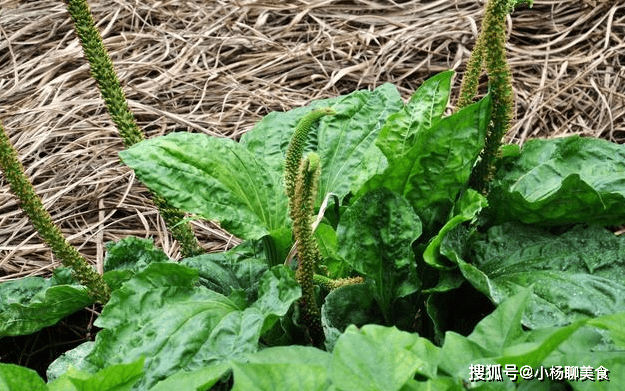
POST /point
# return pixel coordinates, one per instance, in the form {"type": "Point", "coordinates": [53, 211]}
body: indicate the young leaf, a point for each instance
{"type": "Point", "coordinates": [425, 107]}
{"type": "Point", "coordinates": [467, 208]}
{"type": "Point", "coordinates": [375, 237]}
{"type": "Point", "coordinates": [437, 167]}
{"type": "Point", "coordinates": [561, 181]}
{"type": "Point", "coordinates": [216, 178]}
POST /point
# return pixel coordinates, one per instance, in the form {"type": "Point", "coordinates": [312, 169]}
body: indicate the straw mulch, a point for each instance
{"type": "Point", "coordinates": [218, 66]}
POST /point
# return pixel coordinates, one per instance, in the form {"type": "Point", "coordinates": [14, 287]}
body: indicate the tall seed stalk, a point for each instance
{"type": "Point", "coordinates": [102, 71]}
{"type": "Point", "coordinates": [301, 179]}
{"type": "Point", "coordinates": [490, 52]}
{"type": "Point", "coordinates": [32, 205]}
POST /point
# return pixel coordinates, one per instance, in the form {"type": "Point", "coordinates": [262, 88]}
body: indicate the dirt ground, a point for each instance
{"type": "Point", "coordinates": [218, 66]}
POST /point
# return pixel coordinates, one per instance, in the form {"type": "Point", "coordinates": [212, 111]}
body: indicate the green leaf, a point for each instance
{"type": "Point", "coordinates": [16, 378]}
{"type": "Point", "coordinates": [197, 380]}
{"type": "Point", "coordinates": [216, 178]}
{"type": "Point", "coordinates": [277, 290]}
{"type": "Point", "coordinates": [114, 378]}
{"type": "Point", "coordinates": [73, 357]}
{"type": "Point", "coordinates": [29, 304]}
{"type": "Point", "coordinates": [345, 142]}
{"type": "Point", "coordinates": [282, 368]}
{"type": "Point", "coordinates": [132, 253]}
{"type": "Point", "coordinates": [228, 272]}
{"type": "Point", "coordinates": [500, 329]}
{"type": "Point", "coordinates": [270, 137]}
{"type": "Point", "coordinates": [437, 167]}
{"type": "Point", "coordinates": [346, 145]}
{"type": "Point", "coordinates": [375, 237]}
{"type": "Point", "coordinates": [161, 314]}
{"type": "Point", "coordinates": [347, 305]}
{"type": "Point", "coordinates": [562, 181]}
{"type": "Point", "coordinates": [425, 107]}
{"type": "Point", "coordinates": [574, 275]}
{"type": "Point", "coordinates": [468, 207]}
{"type": "Point", "coordinates": [380, 358]}
{"type": "Point", "coordinates": [128, 256]}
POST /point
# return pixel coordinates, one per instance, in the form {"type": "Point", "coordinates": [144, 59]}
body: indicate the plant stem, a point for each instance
{"type": "Point", "coordinates": [103, 72]}
{"type": "Point", "coordinates": [31, 204]}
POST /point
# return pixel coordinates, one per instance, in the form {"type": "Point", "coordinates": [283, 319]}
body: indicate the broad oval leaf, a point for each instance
{"type": "Point", "coordinates": [345, 142]}
{"type": "Point", "coordinates": [577, 274]}
{"type": "Point", "coordinates": [216, 178]}
{"type": "Point", "coordinates": [161, 314]}
{"type": "Point", "coordinates": [561, 181]}
{"type": "Point", "coordinates": [426, 106]}
{"type": "Point", "coordinates": [29, 304]}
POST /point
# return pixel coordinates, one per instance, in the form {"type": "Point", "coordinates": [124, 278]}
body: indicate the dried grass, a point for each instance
{"type": "Point", "coordinates": [218, 66]}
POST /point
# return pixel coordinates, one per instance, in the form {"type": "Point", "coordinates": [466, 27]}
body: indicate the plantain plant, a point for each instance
{"type": "Point", "coordinates": [405, 241]}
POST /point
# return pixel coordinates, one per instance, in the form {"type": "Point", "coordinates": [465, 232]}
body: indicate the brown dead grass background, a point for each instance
{"type": "Point", "coordinates": [218, 66]}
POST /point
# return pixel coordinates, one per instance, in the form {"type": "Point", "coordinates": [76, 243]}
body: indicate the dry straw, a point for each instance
{"type": "Point", "coordinates": [218, 66]}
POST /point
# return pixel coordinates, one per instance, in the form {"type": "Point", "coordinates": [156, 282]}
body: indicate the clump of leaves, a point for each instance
{"type": "Point", "coordinates": [397, 230]}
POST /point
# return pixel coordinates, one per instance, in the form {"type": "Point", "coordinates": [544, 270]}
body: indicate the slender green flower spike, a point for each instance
{"type": "Point", "coordinates": [301, 179]}
{"type": "Point", "coordinates": [31, 204]}
{"type": "Point", "coordinates": [103, 72]}
{"type": "Point", "coordinates": [490, 50]}
{"type": "Point", "coordinates": [332, 284]}
{"type": "Point", "coordinates": [296, 148]}
{"type": "Point", "coordinates": [308, 255]}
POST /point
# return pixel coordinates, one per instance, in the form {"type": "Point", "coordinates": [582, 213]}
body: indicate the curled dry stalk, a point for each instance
{"type": "Point", "coordinates": [103, 72]}
{"type": "Point", "coordinates": [490, 52]}
{"type": "Point", "coordinates": [32, 205]}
